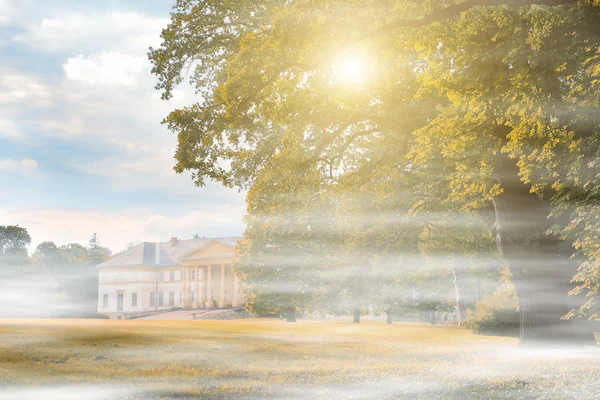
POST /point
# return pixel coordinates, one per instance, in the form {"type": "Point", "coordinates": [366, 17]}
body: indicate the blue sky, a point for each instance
{"type": "Point", "coordinates": [82, 149]}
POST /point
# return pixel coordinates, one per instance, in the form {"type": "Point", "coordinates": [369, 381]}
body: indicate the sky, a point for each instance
{"type": "Point", "coordinates": [82, 149]}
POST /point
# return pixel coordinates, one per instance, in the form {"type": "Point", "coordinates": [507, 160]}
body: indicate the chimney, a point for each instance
{"type": "Point", "coordinates": [157, 254]}
{"type": "Point", "coordinates": [173, 241]}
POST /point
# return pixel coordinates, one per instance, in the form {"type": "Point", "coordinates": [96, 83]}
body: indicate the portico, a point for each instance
{"type": "Point", "coordinates": [208, 280]}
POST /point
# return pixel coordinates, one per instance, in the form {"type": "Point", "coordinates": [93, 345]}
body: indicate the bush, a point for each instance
{"type": "Point", "coordinates": [496, 314]}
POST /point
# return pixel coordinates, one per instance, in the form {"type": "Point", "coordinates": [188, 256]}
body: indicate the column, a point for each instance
{"type": "Point", "coordinates": [209, 300]}
{"type": "Point", "coordinates": [236, 292]}
{"type": "Point", "coordinates": [197, 296]}
{"type": "Point", "coordinates": [203, 286]}
{"type": "Point", "coordinates": [184, 298]}
{"type": "Point", "coordinates": [188, 294]}
{"type": "Point", "coordinates": [222, 301]}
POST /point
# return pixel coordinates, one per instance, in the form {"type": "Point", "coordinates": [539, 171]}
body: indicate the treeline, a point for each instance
{"type": "Point", "coordinates": [54, 280]}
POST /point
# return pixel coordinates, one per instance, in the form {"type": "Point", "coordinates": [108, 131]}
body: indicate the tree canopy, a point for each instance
{"type": "Point", "coordinates": [14, 241]}
{"type": "Point", "coordinates": [477, 102]}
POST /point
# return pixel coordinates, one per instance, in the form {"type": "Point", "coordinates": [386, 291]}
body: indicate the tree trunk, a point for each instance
{"type": "Point", "coordinates": [290, 315]}
{"type": "Point", "coordinates": [540, 272]}
{"type": "Point", "coordinates": [462, 289]}
{"type": "Point", "coordinates": [356, 316]}
{"type": "Point", "coordinates": [389, 317]}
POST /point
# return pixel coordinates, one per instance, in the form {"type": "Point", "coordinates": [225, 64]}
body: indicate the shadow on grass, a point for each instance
{"type": "Point", "coordinates": [114, 338]}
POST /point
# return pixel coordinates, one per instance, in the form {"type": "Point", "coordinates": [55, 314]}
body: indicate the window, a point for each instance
{"type": "Point", "coordinates": [212, 294]}
{"type": "Point", "coordinates": [119, 301]}
{"type": "Point", "coordinates": [160, 299]}
{"type": "Point", "coordinates": [133, 299]}
{"type": "Point", "coordinates": [105, 301]}
{"type": "Point", "coordinates": [153, 299]}
{"type": "Point", "coordinates": [171, 298]}
{"type": "Point", "coordinates": [193, 275]}
{"type": "Point", "coordinates": [193, 297]}
{"type": "Point", "coordinates": [161, 276]}
{"type": "Point", "coordinates": [172, 275]}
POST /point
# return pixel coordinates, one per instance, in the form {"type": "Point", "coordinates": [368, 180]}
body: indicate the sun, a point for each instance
{"type": "Point", "coordinates": [351, 67]}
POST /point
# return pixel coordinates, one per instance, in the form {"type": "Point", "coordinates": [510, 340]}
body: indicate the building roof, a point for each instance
{"type": "Point", "coordinates": [169, 253]}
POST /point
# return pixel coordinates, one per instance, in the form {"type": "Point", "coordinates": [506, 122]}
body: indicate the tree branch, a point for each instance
{"type": "Point", "coordinates": [451, 11]}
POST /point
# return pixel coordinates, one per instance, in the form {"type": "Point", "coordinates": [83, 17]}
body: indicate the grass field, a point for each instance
{"type": "Point", "coordinates": [257, 358]}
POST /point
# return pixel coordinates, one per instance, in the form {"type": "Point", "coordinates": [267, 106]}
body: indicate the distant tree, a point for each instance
{"type": "Point", "coordinates": [48, 255]}
{"type": "Point", "coordinates": [14, 241]}
{"type": "Point", "coordinates": [97, 253]}
{"type": "Point", "coordinates": [80, 278]}
{"type": "Point", "coordinates": [74, 253]}
{"type": "Point", "coordinates": [196, 236]}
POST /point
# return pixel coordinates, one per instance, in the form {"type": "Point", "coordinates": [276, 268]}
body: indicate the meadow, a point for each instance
{"type": "Point", "coordinates": [260, 358]}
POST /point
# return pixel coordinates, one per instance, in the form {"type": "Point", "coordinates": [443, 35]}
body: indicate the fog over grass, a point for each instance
{"type": "Point", "coordinates": [260, 358]}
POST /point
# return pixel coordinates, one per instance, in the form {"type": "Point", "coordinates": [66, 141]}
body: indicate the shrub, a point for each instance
{"type": "Point", "coordinates": [496, 314]}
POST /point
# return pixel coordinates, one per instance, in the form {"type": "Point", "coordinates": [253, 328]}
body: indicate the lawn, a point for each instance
{"type": "Point", "coordinates": [257, 358]}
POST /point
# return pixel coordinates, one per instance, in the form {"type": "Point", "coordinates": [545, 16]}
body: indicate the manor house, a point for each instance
{"type": "Point", "coordinates": [193, 274]}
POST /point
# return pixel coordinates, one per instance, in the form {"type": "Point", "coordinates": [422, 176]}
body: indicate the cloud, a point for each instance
{"type": "Point", "coordinates": [8, 11]}
{"type": "Point", "coordinates": [126, 32]}
{"type": "Point", "coordinates": [205, 221]}
{"type": "Point", "coordinates": [21, 88]}
{"type": "Point", "coordinates": [25, 164]}
{"type": "Point", "coordinates": [106, 68]}
{"type": "Point", "coordinates": [134, 173]}
{"type": "Point", "coordinates": [155, 173]}
{"type": "Point", "coordinates": [8, 128]}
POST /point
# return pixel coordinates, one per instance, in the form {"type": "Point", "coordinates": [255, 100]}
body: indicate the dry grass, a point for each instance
{"type": "Point", "coordinates": [271, 359]}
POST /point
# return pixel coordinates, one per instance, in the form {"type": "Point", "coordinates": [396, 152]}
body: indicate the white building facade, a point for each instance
{"type": "Point", "coordinates": [192, 274]}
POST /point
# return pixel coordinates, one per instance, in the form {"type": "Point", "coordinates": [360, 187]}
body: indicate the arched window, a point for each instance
{"type": "Point", "coordinates": [121, 278]}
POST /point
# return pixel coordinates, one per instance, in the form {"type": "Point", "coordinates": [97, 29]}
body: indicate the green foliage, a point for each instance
{"type": "Point", "coordinates": [74, 253]}
{"type": "Point", "coordinates": [496, 314]}
{"type": "Point", "coordinates": [14, 241]}
{"type": "Point", "coordinates": [96, 253]}
{"type": "Point", "coordinates": [448, 89]}
{"type": "Point", "coordinates": [285, 243]}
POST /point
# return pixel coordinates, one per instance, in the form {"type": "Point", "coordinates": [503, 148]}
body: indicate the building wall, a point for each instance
{"type": "Point", "coordinates": [142, 281]}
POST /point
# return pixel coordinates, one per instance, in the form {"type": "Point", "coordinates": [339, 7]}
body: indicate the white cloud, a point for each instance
{"type": "Point", "coordinates": [8, 11]}
{"type": "Point", "coordinates": [156, 173]}
{"type": "Point", "coordinates": [8, 128]}
{"type": "Point", "coordinates": [225, 215]}
{"type": "Point", "coordinates": [73, 126]}
{"type": "Point", "coordinates": [106, 68]}
{"type": "Point", "coordinates": [127, 32]}
{"type": "Point", "coordinates": [25, 164]}
{"type": "Point", "coordinates": [21, 88]}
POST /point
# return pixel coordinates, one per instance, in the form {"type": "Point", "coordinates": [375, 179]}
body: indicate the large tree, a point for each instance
{"type": "Point", "coordinates": [496, 99]}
